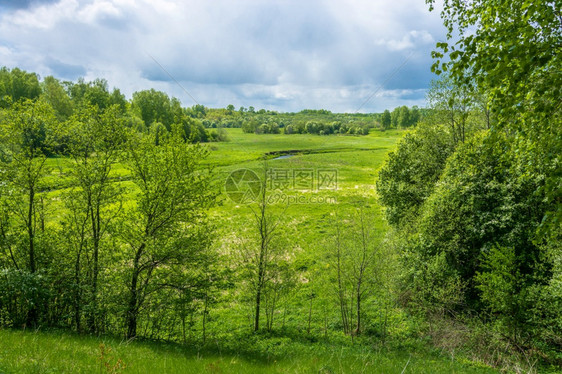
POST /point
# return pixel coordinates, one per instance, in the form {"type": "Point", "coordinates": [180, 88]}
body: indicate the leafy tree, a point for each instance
{"type": "Point", "coordinates": [95, 142]}
{"type": "Point", "coordinates": [27, 135]}
{"type": "Point", "coordinates": [415, 115]}
{"type": "Point", "coordinates": [394, 117]}
{"type": "Point", "coordinates": [18, 84]}
{"type": "Point", "coordinates": [512, 50]}
{"type": "Point", "coordinates": [386, 119]}
{"type": "Point", "coordinates": [452, 104]}
{"type": "Point", "coordinates": [404, 117]}
{"type": "Point", "coordinates": [482, 200]}
{"type": "Point", "coordinates": [167, 220]}
{"type": "Point", "coordinates": [55, 94]}
{"type": "Point", "coordinates": [153, 106]}
{"type": "Point", "coordinates": [93, 93]}
{"type": "Point", "coordinates": [117, 98]}
{"type": "Point", "coordinates": [502, 288]}
{"type": "Point", "coordinates": [198, 111]}
{"type": "Point", "coordinates": [409, 175]}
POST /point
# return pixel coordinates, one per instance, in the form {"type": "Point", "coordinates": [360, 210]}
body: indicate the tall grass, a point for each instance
{"type": "Point", "coordinates": [64, 352]}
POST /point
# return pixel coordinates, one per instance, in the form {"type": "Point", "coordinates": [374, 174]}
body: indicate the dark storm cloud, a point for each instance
{"type": "Point", "coordinates": [24, 4]}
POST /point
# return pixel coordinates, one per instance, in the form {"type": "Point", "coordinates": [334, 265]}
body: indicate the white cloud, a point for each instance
{"type": "Point", "coordinates": [411, 40]}
{"type": "Point", "coordinates": [283, 54]}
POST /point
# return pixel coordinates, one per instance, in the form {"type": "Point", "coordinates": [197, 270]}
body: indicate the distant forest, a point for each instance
{"type": "Point", "coordinates": [154, 111]}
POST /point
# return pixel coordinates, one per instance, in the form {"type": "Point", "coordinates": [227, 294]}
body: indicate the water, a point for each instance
{"type": "Point", "coordinates": [282, 157]}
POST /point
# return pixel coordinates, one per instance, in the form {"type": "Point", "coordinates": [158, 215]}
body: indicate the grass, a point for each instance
{"type": "Point", "coordinates": [63, 352]}
{"type": "Point", "coordinates": [356, 160]}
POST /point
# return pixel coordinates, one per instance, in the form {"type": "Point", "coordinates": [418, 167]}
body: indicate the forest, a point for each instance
{"type": "Point", "coordinates": [417, 238]}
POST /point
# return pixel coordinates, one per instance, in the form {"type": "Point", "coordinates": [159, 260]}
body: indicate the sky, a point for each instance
{"type": "Point", "coordinates": [286, 55]}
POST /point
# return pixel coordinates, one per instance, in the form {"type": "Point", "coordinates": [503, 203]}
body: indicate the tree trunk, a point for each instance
{"type": "Point", "coordinates": [33, 314]}
{"type": "Point", "coordinates": [77, 297]}
{"type": "Point", "coordinates": [261, 277]}
{"type": "Point", "coordinates": [92, 320]}
{"type": "Point", "coordinates": [257, 315]}
{"type": "Point", "coordinates": [30, 231]}
{"type": "Point", "coordinates": [205, 311]}
{"type": "Point", "coordinates": [133, 307]}
{"type": "Point", "coordinates": [358, 301]}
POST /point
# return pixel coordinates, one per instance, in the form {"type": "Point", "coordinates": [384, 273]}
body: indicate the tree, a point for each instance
{"type": "Point", "coordinates": [266, 226]}
{"type": "Point", "coordinates": [394, 117]}
{"type": "Point", "coordinates": [93, 93]}
{"type": "Point", "coordinates": [452, 104]}
{"type": "Point", "coordinates": [55, 94]}
{"type": "Point", "coordinates": [484, 200]}
{"type": "Point", "coordinates": [18, 84]}
{"type": "Point", "coordinates": [358, 264]}
{"type": "Point", "coordinates": [414, 115]}
{"type": "Point", "coordinates": [27, 135]}
{"type": "Point", "coordinates": [260, 254]}
{"type": "Point", "coordinates": [153, 106]}
{"type": "Point", "coordinates": [117, 98]}
{"type": "Point", "coordinates": [409, 175]}
{"type": "Point", "coordinates": [168, 218]}
{"type": "Point", "coordinates": [404, 117]}
{"type": "Point", "coordinates": [512, 50]}
{"type": "Point", "coordinates": [96, 140]}
{"type": "Point", "coordinates": [386, 120]}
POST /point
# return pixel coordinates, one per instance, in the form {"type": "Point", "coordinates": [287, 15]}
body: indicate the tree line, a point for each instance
{"type": "Point", "coordinates": [473, 194]}
{"type": "Point", "coordinates": [104, 225]}
{"type": "Point", "coordinates": [147, 111]}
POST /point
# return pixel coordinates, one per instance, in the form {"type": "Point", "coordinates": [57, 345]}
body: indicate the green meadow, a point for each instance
{"type": "Point", "coordinates": [63, 352]}
{"type": "Point", "coordinates": [308, 217]}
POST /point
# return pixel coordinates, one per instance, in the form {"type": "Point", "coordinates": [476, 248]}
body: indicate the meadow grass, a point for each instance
{"type": "Point", "coordinates": [64, 352]}
{"type": "Point", "coordinates": [356, 159]}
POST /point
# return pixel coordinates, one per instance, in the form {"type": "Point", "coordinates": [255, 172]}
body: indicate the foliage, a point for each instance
{"type": "Point", "coordinates": [21, 293]}
{"type": "Point", "coordinates": [18, 84]}
{"type": "Point", "coordinates": [411, 172]}
{"type": "Point", "coordinates": [168, 229]}
{"type": "Point", "coordinates": [511, 50]}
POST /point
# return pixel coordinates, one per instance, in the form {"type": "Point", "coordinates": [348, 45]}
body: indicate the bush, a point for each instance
{"type": "Point", "coordinates": [21, 294]}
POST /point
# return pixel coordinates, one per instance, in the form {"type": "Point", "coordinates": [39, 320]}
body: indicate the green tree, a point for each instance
{"type": "Point", "coordinates": [409, 175]}
{"type": "Point", "coordinates": [404, 117]}
{"type": "Point", "coordinates": [27, 135]}
{"type": "Point", "coordinates": [512, 50]}
{"type": "Point", "coordinates": [395, 117]}
{"type": "Point", "coordinates": [96, 140]}
{"type": "Point", "coordinates": [167, 222]}
{"type": "Point", "coordinates": [386, 119]}
{"type": "Point", "coordinates": [452, 104]}
{"type": "Point", "coordinates": [484, 199]}
{"type": "Point", "coordinates": [18, 84]}
{"type": "Point", "coordinates": [415, 115]}
{"type": "Point", "coordinates": [55, 94]}
{"type": "Point", "coordinates": [153, 106]}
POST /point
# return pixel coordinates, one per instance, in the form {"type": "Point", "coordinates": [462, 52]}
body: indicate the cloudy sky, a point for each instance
{"type": "Point", "coordinates": [285, 55]}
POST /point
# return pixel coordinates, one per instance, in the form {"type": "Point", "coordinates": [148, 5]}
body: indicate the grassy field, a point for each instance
{"type": "Point", "coordinates": [308, 220]}
{"type": "Point", "coordinates": [58, 352]}
{"type": "Point", "coordinates": [356, 160]}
